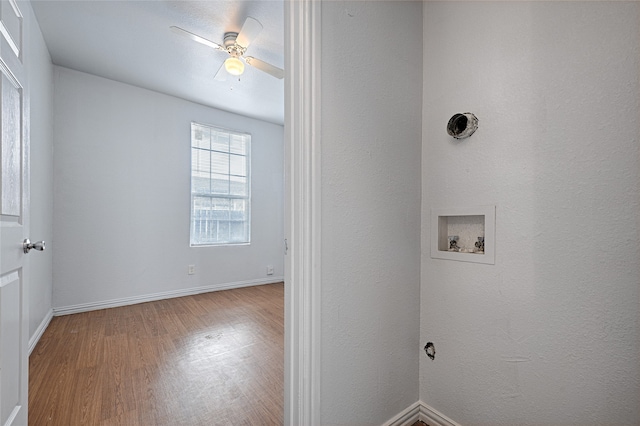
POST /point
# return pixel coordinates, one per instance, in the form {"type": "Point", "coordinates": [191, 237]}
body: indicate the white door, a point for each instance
{"type": "Point", "coordinates": [14, 208]}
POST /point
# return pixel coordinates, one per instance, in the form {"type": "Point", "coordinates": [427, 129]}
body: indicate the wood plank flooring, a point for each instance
{"type": "Point", "coordinates": [210, 359]}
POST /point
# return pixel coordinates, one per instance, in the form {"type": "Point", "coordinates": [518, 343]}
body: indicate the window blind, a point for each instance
{"type": "Point", "coordinates": [220, 186]}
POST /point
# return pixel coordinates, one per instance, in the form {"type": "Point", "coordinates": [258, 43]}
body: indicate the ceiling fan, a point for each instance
{"type": "Point", "coordinates": [236, 44]}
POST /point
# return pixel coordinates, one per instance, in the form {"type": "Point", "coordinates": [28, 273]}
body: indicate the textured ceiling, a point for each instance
{"type": "Point", "coordinates": [130, 42]}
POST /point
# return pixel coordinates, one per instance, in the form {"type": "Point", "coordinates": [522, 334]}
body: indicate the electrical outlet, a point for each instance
{"type": "Point", "coordinates": [269, 270]}
{"type": "Point", "coordinates": [192, 270]}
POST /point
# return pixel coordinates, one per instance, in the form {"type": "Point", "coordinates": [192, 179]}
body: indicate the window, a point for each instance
{"type": "Point", "coordinates": [220, 186]}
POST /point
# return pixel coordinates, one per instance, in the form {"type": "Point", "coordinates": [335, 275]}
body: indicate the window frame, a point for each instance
{"type": "Point", "coordinates": [228, 196]}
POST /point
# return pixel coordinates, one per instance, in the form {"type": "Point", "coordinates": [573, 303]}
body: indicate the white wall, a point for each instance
{"type": "Point", "coordinates": [371, 114]}
{"type": "Point", "coordinates": [40, 75]}
{"type": "Point", "coordinates": [550, 333]}
{"type": "Point", "coordinates": [122, 185]}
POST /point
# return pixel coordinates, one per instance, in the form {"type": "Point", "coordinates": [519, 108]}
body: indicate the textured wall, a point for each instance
{"type": "Point", "coordinates": [122, 194]}
{"type": "Point", "coordinates": [550, 333]}
{"type": "Point", "coordinates": [371, 103]}
{"type": "Point", "coordinates": [41, 222]}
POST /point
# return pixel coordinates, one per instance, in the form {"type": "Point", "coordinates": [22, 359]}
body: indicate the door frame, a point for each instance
{"type": "Point", "coordinates": [302, 212]}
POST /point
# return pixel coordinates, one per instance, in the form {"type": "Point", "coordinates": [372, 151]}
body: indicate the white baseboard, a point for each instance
{"type": "Point", "coordinates": [114, 303]}
{"type": "Point", "coordinates": [432, 417]}
{"type": "Point", "coordinates": [33, 341]}
{"type": "Point", "coordinates": [407, 417]}
{"type": "Point", "coordinates": [420, 411]}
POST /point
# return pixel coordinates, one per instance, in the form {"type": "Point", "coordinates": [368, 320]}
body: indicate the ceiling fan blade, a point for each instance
{"type": "Point", "coordinates": [197, 38]}
{"type": "Point", "coordinates": [221, 75]}
{"type": "Point", "coordinates": [249, 32]}
{"type": "Point", "coordinates": [263, 66]}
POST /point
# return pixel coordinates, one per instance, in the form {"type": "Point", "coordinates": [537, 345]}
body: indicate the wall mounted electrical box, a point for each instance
{"type": "Point", "coordinates": [464, 234]}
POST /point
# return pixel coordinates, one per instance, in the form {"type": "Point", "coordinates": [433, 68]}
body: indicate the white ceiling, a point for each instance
{"type": "Point", "coordinates": [130, 42]}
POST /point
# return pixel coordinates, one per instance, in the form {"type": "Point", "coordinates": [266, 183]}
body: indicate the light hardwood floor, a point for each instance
{"type": "Point", "coordinates": [214, 358]}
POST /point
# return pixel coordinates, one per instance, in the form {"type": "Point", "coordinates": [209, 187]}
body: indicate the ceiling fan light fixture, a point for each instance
{"type": "Point", "coordinates": [235, 45]}
{"type": "Point", "coordinates": [234, 66]}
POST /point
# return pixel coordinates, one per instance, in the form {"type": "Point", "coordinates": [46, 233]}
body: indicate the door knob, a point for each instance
{"type": "Point", "coordinates": [28, 245]}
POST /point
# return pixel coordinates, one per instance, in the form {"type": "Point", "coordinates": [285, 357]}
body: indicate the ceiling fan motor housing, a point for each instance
{"type": "Point", "coordinates": [230, 39]}
{"type": "Point", "coordinates": [233, 48]}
